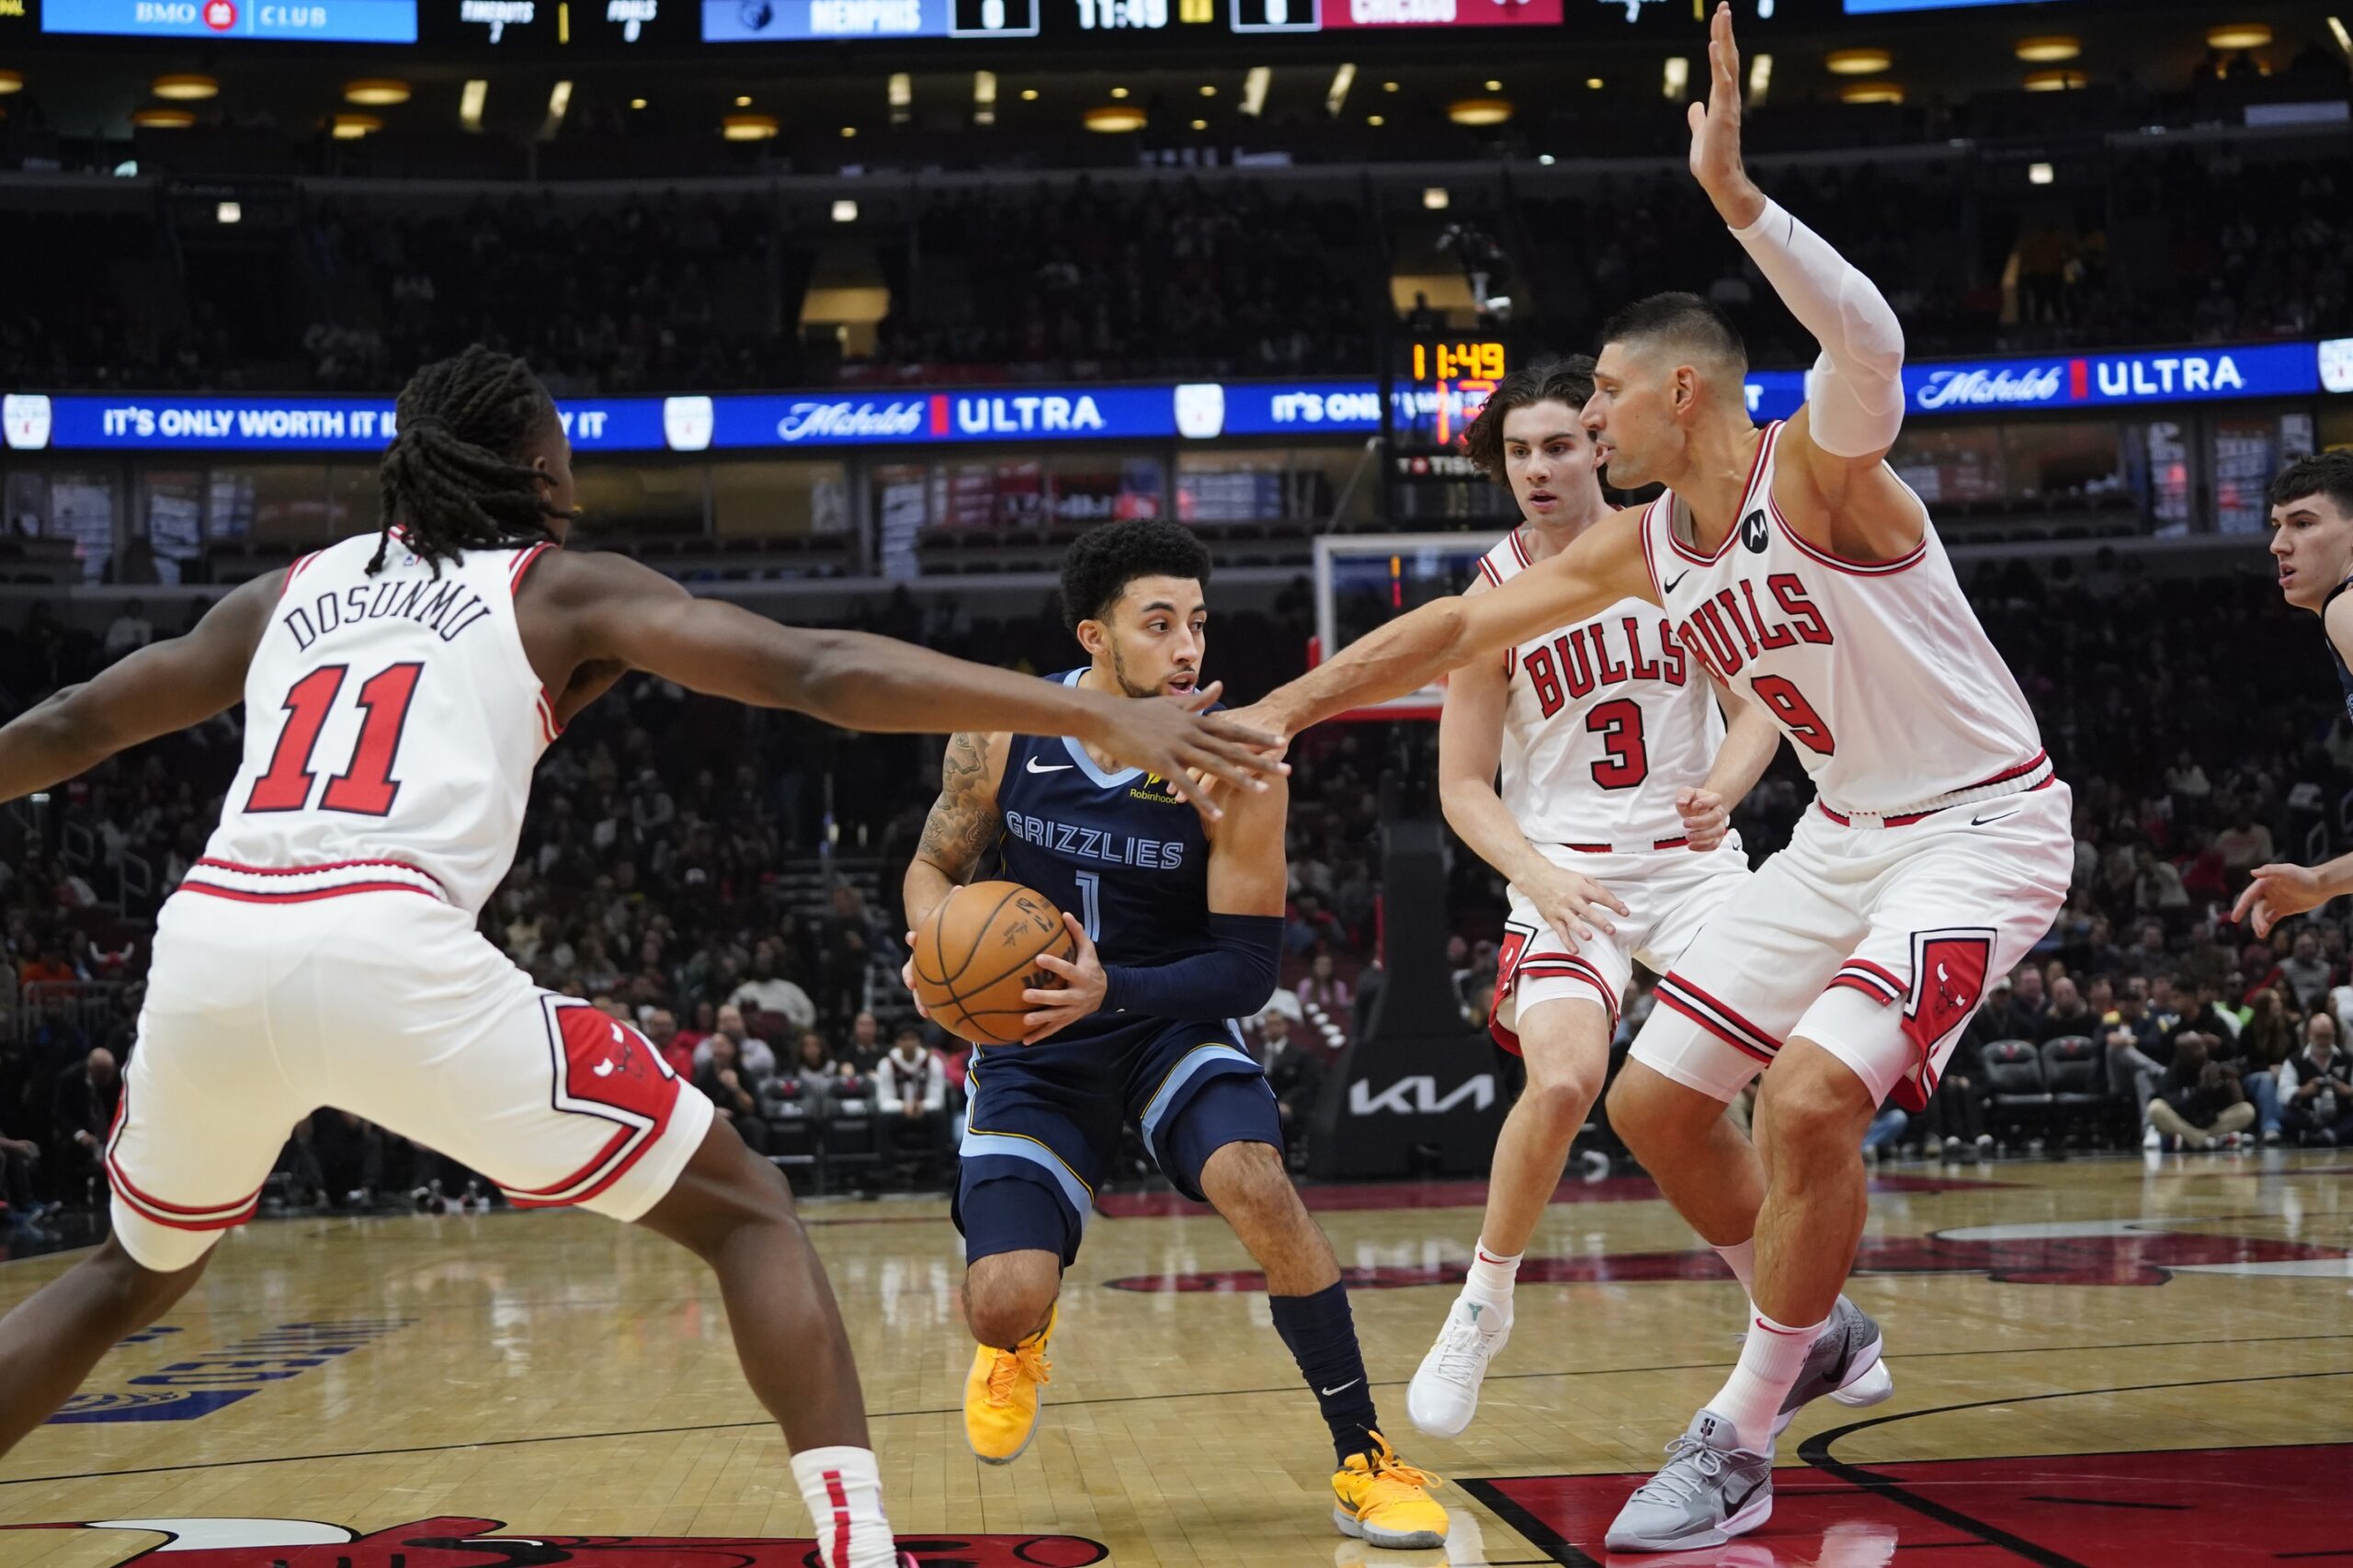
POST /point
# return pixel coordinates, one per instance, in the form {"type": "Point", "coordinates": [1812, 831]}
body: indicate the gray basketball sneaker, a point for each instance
{"type": "Point", "coordinates": [1844, 1364]}
{"type": "Point", "coordinates": [1711, 1491]}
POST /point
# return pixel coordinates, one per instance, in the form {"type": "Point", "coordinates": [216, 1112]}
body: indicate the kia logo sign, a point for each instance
{"type": "Point", "coordinates": [686, 423]}
{"type": "Point", "coordinates": [25, 416]}
{"type": "Point", "coordinates": [1418, 1096]}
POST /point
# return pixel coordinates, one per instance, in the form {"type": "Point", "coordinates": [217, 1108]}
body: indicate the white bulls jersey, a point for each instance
{"type": "Point", "coordinates": [1606, 720]}
{"type": "Point", "coordinates": [392, 724]}
{"type": "Point", "coordinates": [1878, 673]}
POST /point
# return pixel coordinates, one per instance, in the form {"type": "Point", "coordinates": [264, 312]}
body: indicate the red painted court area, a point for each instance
{"type": "Point", "coordinates": [2206, 1508]}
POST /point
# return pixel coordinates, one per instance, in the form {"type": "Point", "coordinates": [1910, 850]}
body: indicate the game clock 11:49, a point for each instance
{"type": "Point", "coordinates": [1440, 383]}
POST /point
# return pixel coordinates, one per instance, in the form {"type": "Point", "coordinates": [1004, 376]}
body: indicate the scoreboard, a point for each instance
{"type": "Point", "coordinates": [683, 28]}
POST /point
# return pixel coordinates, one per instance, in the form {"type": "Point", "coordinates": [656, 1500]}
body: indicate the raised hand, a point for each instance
{"type": "Point", "coordinates": [1715, 131]}
{"type": "Point", "coordinates": [2278, 892]}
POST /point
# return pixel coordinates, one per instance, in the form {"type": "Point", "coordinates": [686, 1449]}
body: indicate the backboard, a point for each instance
{"type": "Point", "coordinates": [1364, 581]}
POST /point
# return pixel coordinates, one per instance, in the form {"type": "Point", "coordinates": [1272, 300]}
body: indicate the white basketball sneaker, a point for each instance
{"type": "Point", "coordinates": [1444, 1393]}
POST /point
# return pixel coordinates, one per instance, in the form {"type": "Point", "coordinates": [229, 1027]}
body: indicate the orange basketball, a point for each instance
{"type": "Point", "coordinates": [979, 952]}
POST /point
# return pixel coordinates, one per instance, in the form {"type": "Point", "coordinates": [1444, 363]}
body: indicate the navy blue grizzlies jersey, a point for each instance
{"type": "Point", "coordinates": [1116, 849]}
{"type": "Point", "coordinates": [2344, 676]}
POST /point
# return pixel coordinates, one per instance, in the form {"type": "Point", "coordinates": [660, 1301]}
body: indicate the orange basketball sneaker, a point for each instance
{"type": "Point", "coordinates": [1385, 1501]}
{"type": "Point", "coordinates": [1001, 1395]}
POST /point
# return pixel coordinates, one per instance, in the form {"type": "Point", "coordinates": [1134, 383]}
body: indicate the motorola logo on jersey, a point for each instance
{"type": "Point", "coordinates": [1752, 532]}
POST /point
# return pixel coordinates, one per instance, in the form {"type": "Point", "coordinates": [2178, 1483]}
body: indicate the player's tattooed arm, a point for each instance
{"type": "Point", "coordinates": [962, 825]}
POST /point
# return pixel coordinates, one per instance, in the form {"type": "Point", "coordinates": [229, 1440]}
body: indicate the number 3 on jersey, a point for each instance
{"type": "Point", "coordinates": [366, 786]}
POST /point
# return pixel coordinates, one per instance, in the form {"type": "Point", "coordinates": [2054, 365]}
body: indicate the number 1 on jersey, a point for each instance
{"type": "Point", "coordinates": [1090, 898]}
{"type": "Point", "coordinates": [366, 786]}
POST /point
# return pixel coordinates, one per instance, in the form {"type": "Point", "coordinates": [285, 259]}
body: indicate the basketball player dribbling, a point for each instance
{"type": "Point", "coordinates": [399, 690]}
{"type": "Point", "coordinates": [2312, 540]}
{"type": "Point", "coordinates": [1178, 931]}
{"type": "Point", "coordinates": [1797, 568]}
{"type": "Point", "coordinates": [1604, 733]}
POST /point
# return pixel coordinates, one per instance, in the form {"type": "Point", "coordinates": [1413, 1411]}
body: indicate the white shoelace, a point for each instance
{"type": "Point", "coordinates": [1675, 1483]}
{"type": "Point", "coordinates": [1462, 1352]}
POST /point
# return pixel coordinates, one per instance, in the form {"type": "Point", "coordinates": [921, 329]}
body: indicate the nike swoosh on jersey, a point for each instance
{"type": "Point", "coordinates": [1666, 588]}
{"type": "Point", "coordinates": [1055, 768]}
{"type": "Point", "coordinates": [1997, 816]}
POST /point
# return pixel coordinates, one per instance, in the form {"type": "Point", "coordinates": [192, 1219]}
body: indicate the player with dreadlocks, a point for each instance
{"type": "Point", "coordinates": [398, 692]}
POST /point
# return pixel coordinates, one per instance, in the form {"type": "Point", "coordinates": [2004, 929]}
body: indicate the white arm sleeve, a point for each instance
{"type": "Point", "coordinates": [1856, 389]}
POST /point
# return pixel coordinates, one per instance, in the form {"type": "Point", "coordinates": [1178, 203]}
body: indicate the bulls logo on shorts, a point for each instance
{"type": "Point", "coordinates": [605, 1069]}
{"type": "Point", "coordinates": [1948, 978]}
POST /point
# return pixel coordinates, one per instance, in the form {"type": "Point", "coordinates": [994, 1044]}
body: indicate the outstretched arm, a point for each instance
{"type": "Point", "coordinates": [962, 824]}
{"type": "Point", "coordinates": [1604, 565]}
{"type": "Point", "coordinates": [162, 688]}
{"type": "Point", "coordinates": [1840, 491]}
{"type": "Point", "coordinates": [616, 608]}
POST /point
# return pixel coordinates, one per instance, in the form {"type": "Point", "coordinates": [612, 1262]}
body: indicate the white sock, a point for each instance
{"type": "Point", "coordinates": [1491, 1279]}
{"type": "Point", "coordinates": [844, 1491]}
{"type": "Point", "coordinates": [1770, 1363]}
{"type": "Point", "coordinates": [1741, 1258]}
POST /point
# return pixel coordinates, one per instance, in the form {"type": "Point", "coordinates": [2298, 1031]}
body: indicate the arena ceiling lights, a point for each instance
{"type": "Point", "coordinates": [163, 119]}
{"type": "Point", "coordinates": [1858, 62]}
{"type": "Point", "coordinates": [2239, 34]}
{"type": "Point", "coordinates": [11, 82]}
{"type": "Point", "coordinates": [375, 92]}
{"type": "Point", "coordinates": [1870, 93]}
{"type": "Point", "coordinates": [748, 127]}
{"type": "Point", "coordinates": [2055, 81]}
{"type": "Point", "coordinates": [352, 126]}
{"type": "Point", "coordinates": [1479, 111]}
{"type": "Point", "coordinates": [184, 88]}
{"type": "Point", "coordinates": [1115, 120]}
{"type": "Point", "coordinates": [2049, 50]}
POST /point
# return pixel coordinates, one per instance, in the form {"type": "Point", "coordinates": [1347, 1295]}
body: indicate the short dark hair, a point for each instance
{"type": "Point", "coordinates": [1568, 380]}
{"type": "Point", "coordinates": [2323, 474]}
{"type": "Point", "coordinates": [1685, 321]}
{"type": "Point", "coordinates": [1098, 568]}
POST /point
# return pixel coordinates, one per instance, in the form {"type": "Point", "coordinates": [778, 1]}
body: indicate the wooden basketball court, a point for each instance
{"type": "Point", "coordinates": [2095, 1362]}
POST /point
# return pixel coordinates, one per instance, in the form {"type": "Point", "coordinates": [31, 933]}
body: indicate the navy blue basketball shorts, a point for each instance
{"type": "Point", "coordinates": [1045, 1119]}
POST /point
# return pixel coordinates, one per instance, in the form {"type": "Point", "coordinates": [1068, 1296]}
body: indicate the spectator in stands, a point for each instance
{"type": "Point", "coordinates": [1294, 1072]}
{"type": "Point", "coordinates": [910, 1087]}
{"type": "Point", "coordinates": [1323, 989]}
{"type": "Point", "coordinates": [1885, 1129]}
{"type": "Point", "coordinates": [1313, 926]}
{"type": "Point", "coordinates": [848, 941]}
{"type": "Point", "coordinates": [2147, 955]}
{"type": "Point", "coordinates": [2206, 1016]}
{"type": "Point", "coordinates": [2204, 964]}
{"type": "Point", "coordinates": [2199, 1103]}
{"type": "Point", "coordinates": [2306, 972]}
{"type": "Point", "coordinates": [19, 1156]}
{"type": "Point", "coordinates": [662, 1028]}
{"type": "Point", "coordinates": [2068, 1013]}
{"type": "Point", "coordinates": [2137, 1048]}
{"type": "Point", "coordinates": [818, 1073]}
{"type": "Point", "coordinates": [723, 1083]}
{"type": "Point", "coordinates": [769, 991]}
{"type": "Point", "coordinates": [2019, 1003]}
{"type": "Point", "coordinates": [82, 1111]}
{"type": "Point", "coordinates": [129, 630]}
{"type": "Point", "coordinates": [2318, 1088]}
{"type": "Point", "coordinates": [865, 1051]}
{"type": "Point", "coordinates": [706, 1024]}
{"type": "Point", "coordinates": [2244, 845]}
{"type": "Point", "coordinates": [756, 1056]}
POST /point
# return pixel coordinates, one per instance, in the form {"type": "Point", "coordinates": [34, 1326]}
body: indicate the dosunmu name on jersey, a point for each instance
{"type": "Point", "coordinates": [445, 608]}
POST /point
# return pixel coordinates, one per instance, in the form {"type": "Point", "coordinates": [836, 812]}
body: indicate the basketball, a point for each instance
{"type": "Point", "coordinates": [979, 952]}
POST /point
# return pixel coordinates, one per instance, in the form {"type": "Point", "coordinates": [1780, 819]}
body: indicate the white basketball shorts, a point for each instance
{"type": "Point", "coordinates": [1669, 893]}
{"type": "Point", "coordinates": [262, 1006]}
{"type": "Point", "coordinates": [1876, 942]}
